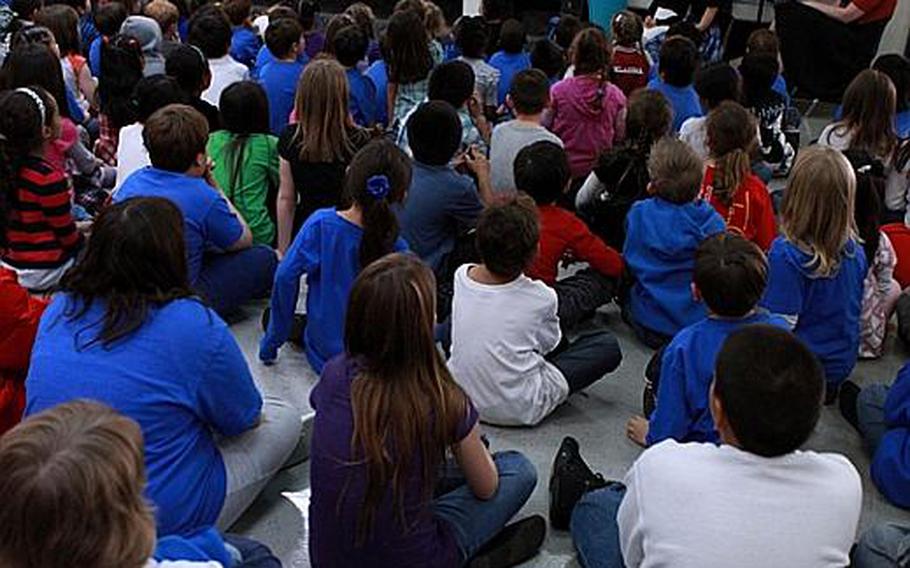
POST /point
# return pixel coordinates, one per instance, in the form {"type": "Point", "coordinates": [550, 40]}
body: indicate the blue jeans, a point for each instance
{"type": "Point", "coordinates": [229, 280]}
{"type": "Point", "coordinates": [870, 414]}
{"type": "Point", "coordinates": [586, 360]}
{"type": "Point", "coordinates": [885, 545]}
{"type": "Point", "coordinates": [594, 528]}
{"type": "Point", "coordinates": [475, 522]}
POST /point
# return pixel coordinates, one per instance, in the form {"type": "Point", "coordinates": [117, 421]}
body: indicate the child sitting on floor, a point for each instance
{"type": "Point", "coordinates": [817, 267]}
{"type": "Point", "coordinates": [630, 65]}
{"type": "Point", "coordinates": [471, 35]}
{"type": "Point", "coordinates": [714, 84]}
{"type": "Point", "coordinates": [331, 249]}
{"type": "Point", "coordinates": [685, 505]}
{"type": "Point", "coordinates": [210, 31]}
{"type": "Point", "coordinates": [769, 107]}
{"type": "Point", "coordinates": [730, 277]}
{"type": "Point", "coordinates": [245, 42]}
{"type": "Point", "coordinates": [73, 483]}
{"type": "Point", "coordinates": [512, 58]}
{"type": "Point", "coordinates": [350, 45]}
{"type": "Point", "coordinates": [678, 63]}
{"type": "Point", "coordinates": [662, 235]}
{"type": "Point", "coordinates": [279, 77]}
{"type": "Point", "coordinates": [542, 171]}
{"type": "Point", "coordinates": [506, 337]}
{"type": "Point", "coordinates": [737, 194]}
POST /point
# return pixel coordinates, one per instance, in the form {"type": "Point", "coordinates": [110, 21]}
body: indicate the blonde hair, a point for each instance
{"type": "Point", "coordinates": [817, 210]}
{"type": "Point", "coordinates": [163, 12]}
{"type": "Point", "coordinates": [72, 485]}
{"type": "Point", "coordinates": [675, 170]}
{"type": "Point", "coordinates": [321, 105]}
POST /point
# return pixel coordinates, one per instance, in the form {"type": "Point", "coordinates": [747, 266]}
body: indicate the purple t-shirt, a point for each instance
{"type": "Point", "coordinates": [338, 483]}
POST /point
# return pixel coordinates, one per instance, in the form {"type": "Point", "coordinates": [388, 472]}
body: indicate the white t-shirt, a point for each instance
{"type": "Point", "coordinates": [500, 335]}
{"type": "Point", "coordinates": [706, 506]}
{"type": "Point", "coordinates": [694, 133]}
{"type": "Point", "coordinates": [131, 153]}
{"type": "Point", "coordinates": [225, 72]}
{"type": "Point", "coordinates": [897, 184]}
{"type": "Point", "coordinates": [509, 138]}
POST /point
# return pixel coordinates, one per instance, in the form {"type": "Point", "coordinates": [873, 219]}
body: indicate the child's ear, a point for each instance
{"type": "Point", "coordinates": [652, 189]}
{"type": "Point", "coordinates": [696, 293]}
{"type": "Point", "coordinates": [717, 409]}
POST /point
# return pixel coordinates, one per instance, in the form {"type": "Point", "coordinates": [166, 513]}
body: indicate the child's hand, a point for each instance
{"type": "Point", "coordinates": [477, 162]}
{"type": "Point", "coordinates": [637, 430]}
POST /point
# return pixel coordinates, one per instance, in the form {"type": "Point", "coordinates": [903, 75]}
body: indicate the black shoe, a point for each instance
{"type": "Point", "coordinates": [516, 543]}
{"type": "Point", "coordinates": [849, 392]}
{"type": "Point", "coordinates": [297, 327]}
{"type": "Point", "coordinates": [570, 478]}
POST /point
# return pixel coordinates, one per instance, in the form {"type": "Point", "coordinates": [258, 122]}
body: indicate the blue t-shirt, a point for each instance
{"type": "Point", "coordinates": [661, 238]}
{"type": "Point", "coordinates": [686, 372]}
{"type": "Point", "coordinates": [245, 45]}
{"type": "Point", "coordinates": [181, 376]}
{"type": "Point", "coordinates": [94, 57]}
{"type": "Point", "coordinates": [279, 79]}
{"type": "Point", "coordinates": [440, 205]}
{"type": "Point", "coordinates": [891, 462]}
{"type": "Point", "coordinates": [684, 100]}
{"type": "Point", "coordinates": [509, 65]}
{"type": "Point", "coordinates": [828, 309]}
{"type": "Point", "coordinates": [379, 74]}
{"type": "Point", "coordinates": [780, 87]}
{"type": "Point", "coordinates": [265, 56]}
{"type": "Point", "coordinates": [208, 222]}
{"type": "Point", "coordinates": [362, 101]}
{"type": "Point", "coordinates": [327, 250]}
{"type": "Point", "coordinates": [902, 124]}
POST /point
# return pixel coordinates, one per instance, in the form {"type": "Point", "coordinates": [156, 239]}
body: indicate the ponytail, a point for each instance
{"type": "Point", "coordinates": [731, 133]}
{"type": "Point", "coordinates": [732, 168]}
{"type": "Point", "coordinates": [378, 177]}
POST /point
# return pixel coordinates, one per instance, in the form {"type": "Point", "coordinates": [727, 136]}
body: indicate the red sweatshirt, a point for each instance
{"type": "Point", "coordinates": [19, 315]}
{"type": "Point", "coordinates": [751, 214]}
{"type": "Point", "coordinates": [561, 232]}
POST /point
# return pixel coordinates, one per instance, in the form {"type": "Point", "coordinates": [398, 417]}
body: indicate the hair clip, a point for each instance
{"type": "Point", "coordinates": [37, 100]}
{"type": "Point", "coordinates": [378, 186]}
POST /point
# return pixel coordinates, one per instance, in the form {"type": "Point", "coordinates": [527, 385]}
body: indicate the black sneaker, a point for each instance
{"type": "Point", "coordinates": [516, 543]}
{"type": "Point", "coordinates": [297, 327]}
{"type": "Point", "coordinates": [570, 478]}
{"type": "Point", "coordinates": [849, 392]}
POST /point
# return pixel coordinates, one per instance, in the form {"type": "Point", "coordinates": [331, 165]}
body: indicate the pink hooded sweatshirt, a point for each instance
{"type": "Point", "coordinates": [589, 116]}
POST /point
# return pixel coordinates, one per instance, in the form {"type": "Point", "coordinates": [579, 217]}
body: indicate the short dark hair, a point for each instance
{"type": "Point", "coordinates": [210, 31]}
{"type": "Point", "coordinates": [542, 171]}
{"type": "Point", "coordinates": [897, 68]}
{"type": "Point", "coordinates": [155, 92]}
{"type": "Point", "coordinates": [434, 133]}
{"type": "Point", "coordinates": [763, 41]}
{"type": "Point", "coordinates": [174, 136]}
{"type": "Point", "coordinates": [281, 35]}
{"type": "Point", "coordinates": [566, 30]}
{"type": "Point", "coordinates": [649, 117]}
{"type": "Point", "coordinates": [770, 386]}
{"type": "Point", "coordinates": [452, 82]}
{"type": "Point", "coordinates": [237, 11]}
{"type": "Point", "coordinates": [507, 236]}
{"type": "Point", "coordinates": [530, 91]}
{"type": "Point", "coordinates": [471, 36]}
{"type": "Point", "coordinates": [675, 170]}
{"type": "Point", "coordinates": [731, 273]}
{"type": "Point", "coordinates": [758, 71]}
{"type": "Point", "coordinates": [350, 45]}
{"type": "Point", "coordinates": [678, 61]}
{"type": "Point", "coordinates": [548, 57]}
{"type": "Point", "coordinates": [109, 18]}
{"type": "Point", "coordinates": [717, 83]}
{"type": "Point", "coordinates": [187, 64]}
{"type": "Point", "coordinates": [512, 36]}
{"type": "Point", "coordinates": [306, 13]}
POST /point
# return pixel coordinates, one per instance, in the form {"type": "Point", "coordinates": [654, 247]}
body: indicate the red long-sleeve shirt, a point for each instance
{"type": "Point", "coordinates": [19, 315]}
{"type": "Point", "coordinates": [751, 214]}
{"type": "Point", "coordinates": [562, 232]}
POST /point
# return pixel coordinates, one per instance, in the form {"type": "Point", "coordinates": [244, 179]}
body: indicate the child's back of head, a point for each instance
{"type": "Point", "coordinates": [109, 18]}
{"type": "Point", "coordinates": [72, 485]}
{"type": "Point", "coordinates": [188, 65]}
{"type": "Point", "coordinates": [471, 36]}
{"type": "Point", "coordinates": [434, 133]}
{"type": "Point", "coordinates": [763, 41]}
{"type": "Point", "coordinates": [244, 108]}
{"type": "Point", "coordinates": [569, 26]}
{"type": "Point", "coordinates": [529, 93]}
{"type": "Point", "coordinates": [591, 52]}
{"type": "Point", "coordinates": [512, 37]}
{"type": "Point", "coordinates": [507, 236]}
{"type": "Point", "coordinates": [897, 68]}
{"type": "Point", "coordinates": [716, 83]}
{"type": "Point", "coordinates": [210, 31]}
{"type": "Point", "coordinates": [869, 107]}
{"type": "Point", "coordinates": [238, 11]}
{"type": "Point", "coordinates": [758, 72]}
{"type": "Point", "coordinates": [155, 92]}
{"type": "Point", "coordinates": [768, 387]}
{"type": "Point", "coordinates": [452, 82]}
{"type": "Point", "coordinates": [730, 274]}
{"type": "Point", "coordinates": [409, 57]}
{"type": "Point", "coordinates": [678, 61]}
{"type": "Point", "coordinates": [282, 36]}
{"type": "Point", "coordinates": [548, 57]}
{"type": "Point", "coordinates": [350, 45]}
{"type": "Point", "coordinates": [649, 117]}
{"type": "Point", "coordinates": [627, 29]}
{"type": "Point", "coordinates": [542, 171]}
{"type": "Point", "coordinates": [676, 171]}
{"type": "Point", "coordinates": [731, 138]}
{"type": "Point", "coordinates": [175, 137]}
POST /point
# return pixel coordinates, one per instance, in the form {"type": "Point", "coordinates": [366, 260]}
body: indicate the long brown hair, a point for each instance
{"type": "Point", "coordinates": [321, 105]}
{"type": "Point", "coordinates": [731, 139]}
{"type": "Point", "coordinates": [405, 401]}
{"type": "Point", "coordinates": [817, 211]}
{"type": "Point", "coordinates": [407, 43]}
{"type": "Point", "coordinates": [72, 485]}
{"type": "Point", "coordinates": [591, 55]}
{"type": "Point", "coordinates": [869, 106]}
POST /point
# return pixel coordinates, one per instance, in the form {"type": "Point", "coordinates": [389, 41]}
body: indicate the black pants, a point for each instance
{"type": "Point", "coordinates": [821, 55]}
{"type": "Point", "coordinates": [587, 359]}
{"type": "Point", "coordinates": [581, 294]}
{"type": "Point", "coordinates": [465, 252]}
{"type": "Point", "coordinates": [652, 380]}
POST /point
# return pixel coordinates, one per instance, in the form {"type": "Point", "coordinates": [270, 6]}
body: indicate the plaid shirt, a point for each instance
{"type": "Point", "coordinates": [106, 145]}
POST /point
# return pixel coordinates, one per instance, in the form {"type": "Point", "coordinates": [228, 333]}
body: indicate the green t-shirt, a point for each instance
{"type": "Point", "coordinates": [250, 188]}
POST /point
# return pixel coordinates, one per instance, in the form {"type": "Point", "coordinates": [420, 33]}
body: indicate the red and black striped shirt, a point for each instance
{"type": "Point", "coordinates": [40, 231]}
